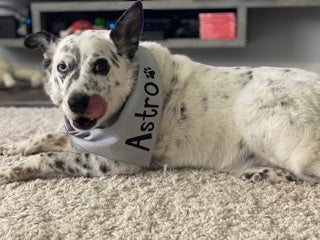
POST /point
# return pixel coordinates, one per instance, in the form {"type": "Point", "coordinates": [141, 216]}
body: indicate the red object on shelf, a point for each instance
{"type": "Point", "coordinates": [217, 25]}
{"type": "Point", "coordinates": [81, 24]}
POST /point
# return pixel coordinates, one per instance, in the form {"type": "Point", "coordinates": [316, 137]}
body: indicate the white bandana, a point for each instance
{"type": "Point", "coordinates": [130, 135]}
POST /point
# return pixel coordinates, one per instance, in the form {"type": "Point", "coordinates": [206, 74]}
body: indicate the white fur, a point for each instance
{"type": "Point", "coordinates": [275, 115]}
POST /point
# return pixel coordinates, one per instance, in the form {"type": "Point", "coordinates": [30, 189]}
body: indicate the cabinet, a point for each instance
{"type": "Point", "coordinates": [43, 12]}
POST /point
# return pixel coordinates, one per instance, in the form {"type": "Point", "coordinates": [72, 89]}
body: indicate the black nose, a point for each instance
{"type": "Point", "coordinates": [78, 102]}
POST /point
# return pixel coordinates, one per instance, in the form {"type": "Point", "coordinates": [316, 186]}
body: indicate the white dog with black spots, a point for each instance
{"type": "Point", "coordinates": [257, 123]}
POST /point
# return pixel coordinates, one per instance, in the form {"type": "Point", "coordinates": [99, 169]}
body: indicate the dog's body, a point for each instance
{"type": "Point", "coordinates": [254, 122]}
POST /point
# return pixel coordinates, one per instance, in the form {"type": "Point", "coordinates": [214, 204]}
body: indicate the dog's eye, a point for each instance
{"type": "Point", "coordinates": [62, 68]}
{"type": "Point", "coordinates": [101, 66]}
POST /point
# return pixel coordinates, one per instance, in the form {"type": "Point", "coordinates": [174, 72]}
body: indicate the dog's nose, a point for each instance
{"type": "Point", "coordinates": [78, 102]}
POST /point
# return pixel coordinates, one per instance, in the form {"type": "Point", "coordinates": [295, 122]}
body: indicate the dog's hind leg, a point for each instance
{"type": "Point", "coordinates": [280, 121]}
{"type": "Point", "coordinates": [61, 164]}
{"type": "Point", "coordinates": [305, 160]}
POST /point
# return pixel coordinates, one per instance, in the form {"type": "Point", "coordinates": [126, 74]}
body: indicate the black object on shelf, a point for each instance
{"type": "Point", "coordinates": [8, 27]}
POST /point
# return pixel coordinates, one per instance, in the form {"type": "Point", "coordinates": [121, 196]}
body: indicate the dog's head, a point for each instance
{"type": "Point", "coordinates": [91, 74]}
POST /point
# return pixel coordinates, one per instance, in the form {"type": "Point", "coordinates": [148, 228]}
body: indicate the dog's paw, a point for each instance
{"type": "Point", "coordinates": [5, 175]}
{"type": "Point", "coordinates": [273, 175]}
{"type": "Point", "coordinates": [12, 149]}
{"type": "Point", "coordinates": [24, 148]}
{"type": "Point", "coordinates": [149, 72]}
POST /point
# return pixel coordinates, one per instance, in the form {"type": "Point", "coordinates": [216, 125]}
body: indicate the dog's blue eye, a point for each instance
{"type": "Point", "coordinates": [101, 66]}
{"type": "Point", "coordinates": [62, 68]}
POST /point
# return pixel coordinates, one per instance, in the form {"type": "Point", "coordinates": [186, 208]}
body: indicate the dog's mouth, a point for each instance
{"type": "Point", "coordinates": [83, 123]}
{"type": "Point", "coordinates": [96, 109]}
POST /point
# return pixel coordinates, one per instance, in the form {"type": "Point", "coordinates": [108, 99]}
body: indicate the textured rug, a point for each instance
{"type": "Point", "coordinates": [164, 204]}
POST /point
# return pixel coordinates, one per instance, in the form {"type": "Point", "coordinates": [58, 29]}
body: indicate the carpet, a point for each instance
{"type": "Point", "coordinates": [164, 204]}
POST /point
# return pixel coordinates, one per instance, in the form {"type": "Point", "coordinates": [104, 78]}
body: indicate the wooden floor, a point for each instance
{"type": "Point", "coordinates": [25, 96]}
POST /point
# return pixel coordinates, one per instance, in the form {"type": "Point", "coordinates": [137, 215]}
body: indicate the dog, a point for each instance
{"type": "Point", "coordinates": [256, 123]}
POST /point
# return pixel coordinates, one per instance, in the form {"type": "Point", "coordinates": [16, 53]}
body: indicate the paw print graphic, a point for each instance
{"type": "Point", "coordinates": [149, 72]}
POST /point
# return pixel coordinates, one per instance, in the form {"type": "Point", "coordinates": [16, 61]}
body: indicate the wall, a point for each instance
{"type": "Point", "coordinates": [276, 37]}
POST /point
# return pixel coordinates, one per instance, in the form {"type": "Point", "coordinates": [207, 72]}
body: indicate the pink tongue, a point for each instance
{"type": "Point", "coordinates": [96, 108]}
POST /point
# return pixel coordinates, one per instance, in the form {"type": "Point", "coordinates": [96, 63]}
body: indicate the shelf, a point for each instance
{"type": "Point", "coordinates": [41, 11]}
{"type": "Point", "coordinates": [11, 42]}
{"type": "Point", "coordinates": [196, 43]}
{"type": "Point", "coordinates": [173, 4]}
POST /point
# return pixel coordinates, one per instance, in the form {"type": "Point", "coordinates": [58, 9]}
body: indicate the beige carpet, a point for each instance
{"type": "Point", "coordinates": [172, 204]}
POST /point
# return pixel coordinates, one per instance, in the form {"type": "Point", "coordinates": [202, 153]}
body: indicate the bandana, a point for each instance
{"type": "Point", "coordinates": [130, 134]}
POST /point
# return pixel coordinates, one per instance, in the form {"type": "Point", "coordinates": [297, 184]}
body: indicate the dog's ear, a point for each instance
{"type": "Point", "coordinates": [42, 40]}
{"type": "Point", "coordinates": [127, 31]}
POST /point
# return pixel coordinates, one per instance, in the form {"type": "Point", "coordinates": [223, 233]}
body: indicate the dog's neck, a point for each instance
{"type": "Point", "coordinates": [165, 62]}
{"type": "Point", "coordinates": [171, 66]}
{"type": "Point", "coordinates": [130, 135]}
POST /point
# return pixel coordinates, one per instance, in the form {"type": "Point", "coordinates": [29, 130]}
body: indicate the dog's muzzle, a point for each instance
{"type": "Point", "coordinates": [88, 109]}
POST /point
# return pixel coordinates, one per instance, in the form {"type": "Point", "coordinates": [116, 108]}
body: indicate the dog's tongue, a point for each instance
{"type": "Point", "coordinates": [96, 108]}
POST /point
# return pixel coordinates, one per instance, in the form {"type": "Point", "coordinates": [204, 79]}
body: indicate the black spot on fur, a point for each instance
{"type": "Point", "coordinates": [291, 178]}
{"type": "Point", "coordinates": [174, 80]}
{"type": "Point", "coordinates": [78, 160]}
{"type": "Point", "coordinates": [71, 170]}
{"type": "Point", "coordinates": [246, 78]}
{"type": "Point", "coordinates": [103, 168]}
{"type": "Point", "coordinates": [114, 60]}
{"type": "Point", "coordinates": [262, 175]}
{"type": "Point", "coordinates": [75, 51]}
{"type": "Point", "coordinates": [183, 114]}
{"type": "Point", "coordinates": [287, 70]}
{"type": "Point", "coordinates": [65, 48]}
{"type": "Point", "coordinates": [86, 86]}
{"type": "Point", "coordinates": [86, 155]}
{"type": "Point", "coordinates": [204, 103]}
{"type": "Point", "coordinates": [76, 74]}
{"type": "Point", "coordinates": [178, 143]}
{"type": "Point", "coordinates": [284, 104]}
{"type": "Point", "coordinates": [291, 121]}
{"type": "Point", "coordinates": [248, 175]}
{"type": "Point", "coordinates": [114, 56]}
{"type": "Point", "coordinates": [86, 166]}
{"type": "Point", "coordinates": [88, 175]}
{"type": "Point", "coordinates": [270, 82]}
{"type": "Point", "coordinates": [241, 144]}
{"type": "Point", "coordinates": [59, 164]}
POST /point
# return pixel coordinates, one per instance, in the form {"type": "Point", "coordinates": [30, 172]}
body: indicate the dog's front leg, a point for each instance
{"type": "Point", "coordinates": [61, 164]}
{"type": "Point", "coordinates": [56, 141]}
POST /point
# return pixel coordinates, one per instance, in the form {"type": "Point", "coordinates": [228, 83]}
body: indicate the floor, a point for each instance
{"type": "Point", "coordinates": [25, 96]}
